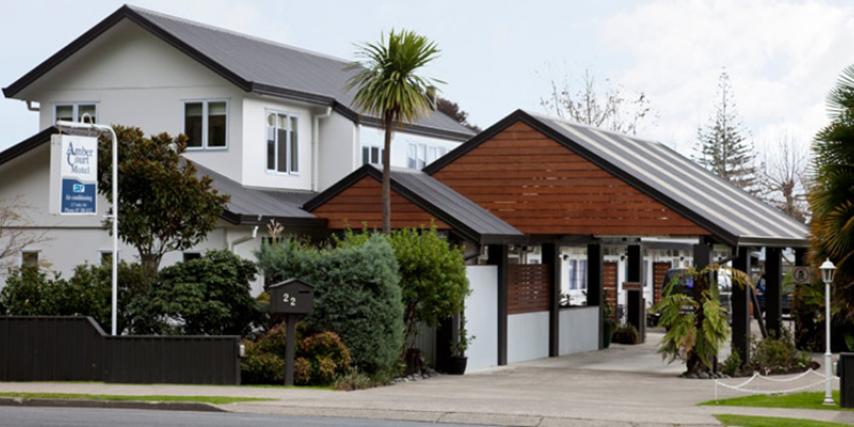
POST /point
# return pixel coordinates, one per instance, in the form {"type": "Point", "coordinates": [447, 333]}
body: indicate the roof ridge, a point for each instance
{"type": "Point", "coordinates": [587, 126]}
{"type": "Point", "coordinates": [239, 34]}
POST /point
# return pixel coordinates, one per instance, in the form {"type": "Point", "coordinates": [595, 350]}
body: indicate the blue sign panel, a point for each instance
{"type": "Point", "coordinates": [78, 197]}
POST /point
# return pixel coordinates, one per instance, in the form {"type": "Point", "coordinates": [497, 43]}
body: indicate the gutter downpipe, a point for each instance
{"type": "Point", "coordinates": [315, 142]}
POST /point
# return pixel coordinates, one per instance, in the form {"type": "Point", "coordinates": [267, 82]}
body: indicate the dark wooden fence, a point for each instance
{"type": "Point", "coordinates": [70, 348]}
{"type": "Point", "coordinates": [528, 289]}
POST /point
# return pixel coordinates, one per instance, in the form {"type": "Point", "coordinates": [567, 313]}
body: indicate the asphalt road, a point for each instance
{"type": "Point", "coordinates": [87, 417]}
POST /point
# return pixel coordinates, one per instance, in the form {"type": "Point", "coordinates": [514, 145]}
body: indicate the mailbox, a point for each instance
{"type": "Point", "coordinates": [292, 296]}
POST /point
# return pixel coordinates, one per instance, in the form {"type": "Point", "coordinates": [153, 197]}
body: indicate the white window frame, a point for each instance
{"type": "Point", "coordinates": [288, 153]}
{"type": "Point", "coordinates": [75, 109]}
{"type": "Point", "coordinates": [370, 147]}
{"type": "Point", "coordinates": [205, 102]}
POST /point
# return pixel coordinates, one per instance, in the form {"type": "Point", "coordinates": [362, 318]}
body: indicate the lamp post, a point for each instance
{"type": "Point", "coordinates": [827, 269]}
{"type": "Point", "coordinates": [115, 215]}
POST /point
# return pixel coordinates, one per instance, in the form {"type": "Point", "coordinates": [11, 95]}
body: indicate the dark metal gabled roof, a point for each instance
{"type": "Point", "coordinates": [253, 64]}
{"type": "Point", "coordinates": [729, 213]}
{"type": "Point", "coordinates": [463, 215]}
{"type": "Point", "coordinates": [253, 206]}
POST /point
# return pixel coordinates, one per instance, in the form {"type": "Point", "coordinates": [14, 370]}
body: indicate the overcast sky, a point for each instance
{"type": "Point", "coordinates": [498, 56]}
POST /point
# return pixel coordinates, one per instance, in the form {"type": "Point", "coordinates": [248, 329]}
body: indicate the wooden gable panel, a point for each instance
{"type": "Point", "coordinates": [542, 187]}
{"type": "Point", "coordinates": [361, 205]}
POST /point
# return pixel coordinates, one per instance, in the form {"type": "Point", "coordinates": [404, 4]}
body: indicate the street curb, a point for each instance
{"type": "Point", "coordinates": [110, 404]}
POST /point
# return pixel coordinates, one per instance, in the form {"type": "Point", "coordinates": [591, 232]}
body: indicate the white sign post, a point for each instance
{"type": "Point", "coordinates": [77, 177]}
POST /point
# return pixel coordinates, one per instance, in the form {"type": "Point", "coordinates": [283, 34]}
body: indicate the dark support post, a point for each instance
{"type": "Point", "coordinates": [773, 291]}
{"type": "Point", "coordinates": [594, 285]}
{"type": "Point", "coordinates": [634, 268]}
{"type": "Point", "coordinates": [290, 346]}
{"type": "Point", "coordinates": [741, 308]}
{"type": "Point", "coordinates": [551, 256]}
{"type": "Point", "coordinates": [800, 257]}
{"type": "Point", "coordinates": [497, 255]}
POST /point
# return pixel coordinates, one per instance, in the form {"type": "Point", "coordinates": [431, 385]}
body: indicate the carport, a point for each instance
{"type": "Point", "coordinates": [569, 186]}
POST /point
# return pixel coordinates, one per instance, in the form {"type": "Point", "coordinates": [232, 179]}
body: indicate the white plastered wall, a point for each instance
{"type": "Point", "coordinates": [481, 312]}
{"type": "Point", "coordinates": [527, 336]}
{"type": "Point", "coordinates": [579, 329]}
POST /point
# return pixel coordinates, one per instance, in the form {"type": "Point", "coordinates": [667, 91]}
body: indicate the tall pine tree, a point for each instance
{"type": "Point", "coordinates": [722, 145]}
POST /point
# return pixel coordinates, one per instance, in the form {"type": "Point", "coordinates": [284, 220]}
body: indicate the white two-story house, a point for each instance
{"type": "Point", "coordinates": [273, 124]}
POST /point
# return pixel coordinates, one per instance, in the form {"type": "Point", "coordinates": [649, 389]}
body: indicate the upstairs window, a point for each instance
{"type": "Point", "coordinates": [282, 143]}
{"type": "Point", "coordinates": [416, 156]}
{"type": "Point", "coordinates": [372, 155]}
{"type": "Point", "coordinates": [75, 112]}
{"type": "Point", "coordinates": [29, 259]}
{"type": "Point", "coordinates": [206, 124]}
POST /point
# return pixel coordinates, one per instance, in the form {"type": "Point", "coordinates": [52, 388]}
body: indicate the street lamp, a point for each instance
{"type": "Point", "coordinates": [115, 215]}
{"type": "Point", "coordinates": [827, 269]}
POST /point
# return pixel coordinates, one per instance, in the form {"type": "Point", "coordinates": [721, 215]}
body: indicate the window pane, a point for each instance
{"type": "Point", "coordinates": [189, 256]}
{"type": "Point", "coordinates": [106, 258]}
{"type": "Point", "coordinates": [216, 124]}
{"type": "Point", "coordinates": [65, 113]}
{"type": "Point", "coordinates": [582, 273]}
{"type": "Point", "coordinates": [193, 123]}
{"type": "Point", "coordinates": [30, 259]}
{"type": "Point", "coordinates": [375, 155]}
{"type": "Point", "coordinates": [412, 156]}
{"type": "Point", "coordinates": [282, 147]}
{"type": "Point", "coordinates": [271, 147]}
{"type": "Point", "coordinates": [294, 146]}
{"type": "Point", "coordinates": [573, 284]}
{"type": "Point", "coordinates": [422, 156]}
{"type": "Point", "coordinates": [89, 111]}
{"type": "Point", "coordinates": [366, 155]}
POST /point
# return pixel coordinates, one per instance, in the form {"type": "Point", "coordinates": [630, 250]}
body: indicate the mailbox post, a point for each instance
{"type": "Point", "coordinates": [294, 299]}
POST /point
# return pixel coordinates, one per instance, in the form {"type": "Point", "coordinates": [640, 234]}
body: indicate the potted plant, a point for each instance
{"type": "Point", "coordinates": [458, 360]}
{"type": "Point", "coordinates": [608, 323]}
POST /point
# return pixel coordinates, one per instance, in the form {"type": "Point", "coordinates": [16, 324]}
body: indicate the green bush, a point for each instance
{"type": "Point", "coordinates": [209, 295]}
{"type": "Point", "coordinates": [732, 365]}
{"type": "Point", "coordinates": [432, 277]}
{"type": "Point", "coordinates": [319, 359]}
{"type": "Point", "coordinates": [354, 380]}
{"type": "Point", "coordinates": [30, 291]}
{"type": "Point", "coordinates": [777, 356]}
{"type": "Point", "coordinates": [357, 295]}
{"type": "Point", "coordinates": [625, 334]}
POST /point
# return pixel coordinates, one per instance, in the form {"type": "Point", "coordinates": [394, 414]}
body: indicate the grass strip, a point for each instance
{"type": "Point", "coordinates": [754, 421]}
{"type": "Point", "coordinates": [804, 400]}
{"type": "Point", "coordinates": [216, 400]}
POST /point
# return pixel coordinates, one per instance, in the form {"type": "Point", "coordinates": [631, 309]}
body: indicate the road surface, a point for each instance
{"type": "Point", "coordinates": [97, 417]}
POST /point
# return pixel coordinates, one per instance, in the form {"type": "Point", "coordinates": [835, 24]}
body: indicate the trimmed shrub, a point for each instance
{"type": "Point", "coordinates": [353, 380]}
{"type": "Point", "coordinates": [625, 334]}
{"type": "Point", "coordinates": [777, 356]}
{"type": "Point", "coordinates": [320, 358]}
{"type": "Point", "coordinates": [357, 295]}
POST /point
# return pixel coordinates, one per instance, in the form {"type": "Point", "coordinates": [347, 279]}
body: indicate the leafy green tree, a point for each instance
{"type": "Point", "coordinates": [723, 147]}
{"type": "Point", "coordinates": [388, 85]}
{"type": "Point", "coordinates": [163, 204]}
{"type": "Point", "coordinates": [832, 197]}
{"type": "Point", "coordinates": [695, 323]}
{"type": "Point", "coordinates": [433, 279]}
{"type": "Point", "coordinates": [209, 295]}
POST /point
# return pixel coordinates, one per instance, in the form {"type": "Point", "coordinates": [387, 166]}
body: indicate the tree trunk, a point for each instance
{"type": "Point", "coordinates": [388, 123]}
{"type": "Point", "coordinates": [150, 264]}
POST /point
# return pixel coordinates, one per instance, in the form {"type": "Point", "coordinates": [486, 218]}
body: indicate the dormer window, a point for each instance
{"type": "Point", "coordinates": [205, 124]}
{"type": "Point", "coordinates": [75, 112]}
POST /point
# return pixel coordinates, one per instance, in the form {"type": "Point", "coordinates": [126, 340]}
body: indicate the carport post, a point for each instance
{"type": "Point", "coordinates": [773, 291]}
{"type": "Point", "coordinates": [594, 286]}
{"type": "Point", "coordinates": [497, 255]}
{"type": "Point", "coordinates": [741, 308]}
{"type": "Point", "coordinates": [551, 256]}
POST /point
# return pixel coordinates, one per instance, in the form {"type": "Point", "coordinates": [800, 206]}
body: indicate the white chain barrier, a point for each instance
{"type": "Point", "coordinates": [742, 386]}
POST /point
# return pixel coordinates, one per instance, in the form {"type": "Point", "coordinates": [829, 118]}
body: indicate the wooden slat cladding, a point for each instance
{"type": "Point", "coordinates": [542, 187]}
{"type": "Point", "coordinates": [609, 284]}
{"type": "Point", "coordinates": [361, 205]}
{"type": "Point", "coordinates": [528, 288]}
{"type": "Point", "coordinates": [659, 269]}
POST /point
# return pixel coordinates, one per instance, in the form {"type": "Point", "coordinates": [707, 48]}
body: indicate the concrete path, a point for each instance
{"type": "Point", "coordinates": [621, 386]}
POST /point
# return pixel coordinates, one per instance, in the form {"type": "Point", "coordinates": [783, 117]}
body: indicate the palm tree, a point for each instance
{"type": "Point", "coordinates": [388, 86]}
{"type": "Point", "coordinates": [832, 195]}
